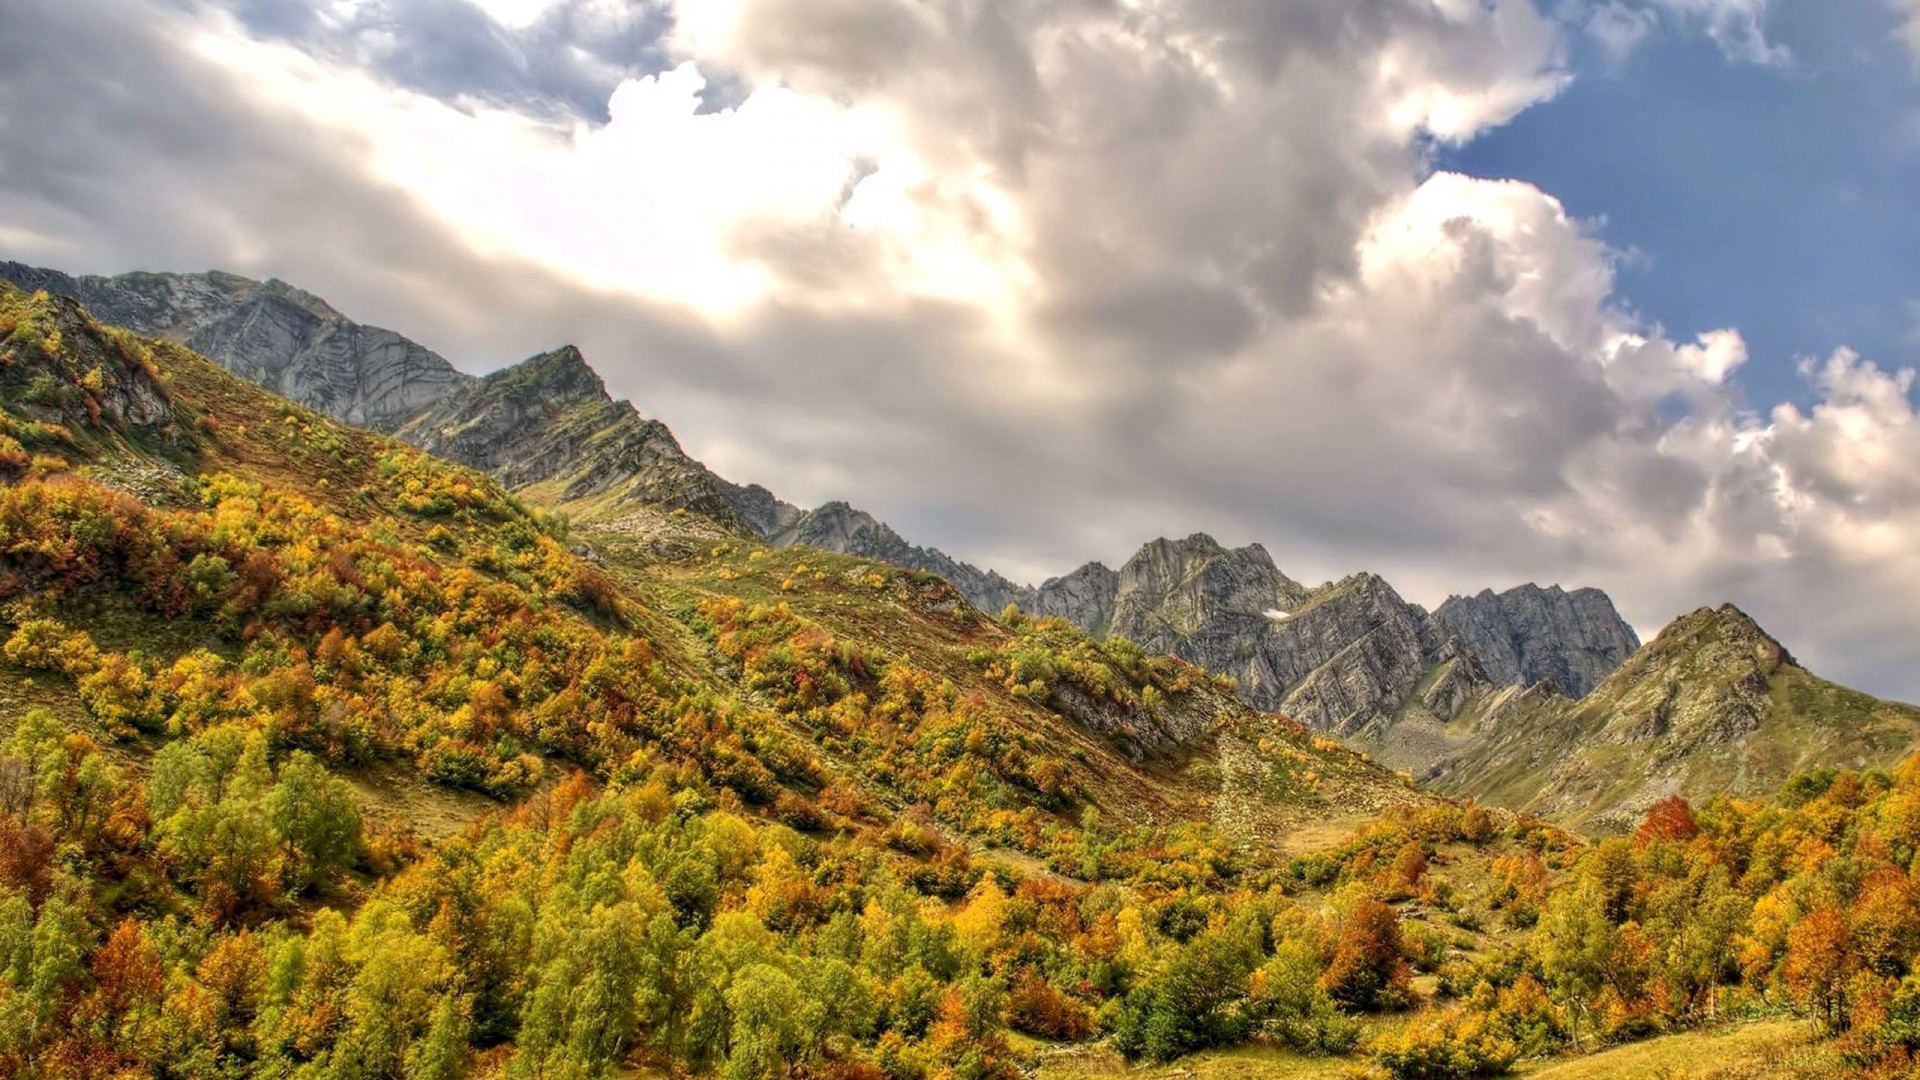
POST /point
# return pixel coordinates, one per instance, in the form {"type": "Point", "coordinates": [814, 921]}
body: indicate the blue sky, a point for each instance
{"type": "Point", "coordinates": [1780, 199]}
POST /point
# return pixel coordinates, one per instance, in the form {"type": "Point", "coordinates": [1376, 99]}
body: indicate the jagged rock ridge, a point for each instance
{"type": "Point", "coordinates": [270, 333]}
{"type": "Point", "coordinates": [1351, 657]}
{"type": "Point", "coordinates": [1529, 634]}
{"type": "Point", "coordinates": [1711, 705]}
{"type": "Point", "coordinates": [547, 426]}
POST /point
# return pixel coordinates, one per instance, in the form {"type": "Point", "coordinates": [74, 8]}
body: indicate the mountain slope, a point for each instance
{"type": "Point", "coordinates": [1712, 705]}
{"type": "Point", "coordinates": [547, 428]}
{"type": "Point", "coordinates": [103, 409]}
{"type": "Point", "coordinates": [282, 338]}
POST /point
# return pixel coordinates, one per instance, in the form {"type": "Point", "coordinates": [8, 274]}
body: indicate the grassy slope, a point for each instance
{"type": "Point", "coordinates": [1711, 706]}
{"type": "Point", "coordinates": [1247, 774]}
{"type": "Point", "coordinates": [669, 563]}
{"type": "Point", "coordinates": [1767, 1048]}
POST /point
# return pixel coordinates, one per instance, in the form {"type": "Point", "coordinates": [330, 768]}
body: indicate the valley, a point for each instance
{"type": "Point", "coordinates": [527, 747]}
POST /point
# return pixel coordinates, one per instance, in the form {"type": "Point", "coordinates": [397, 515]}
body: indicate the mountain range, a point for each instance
{"type": "Point", "coordinates": [1537, 698]}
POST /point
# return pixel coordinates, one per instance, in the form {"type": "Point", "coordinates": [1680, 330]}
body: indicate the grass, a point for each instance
{"type": "Point", "coordinates": [1764, 1048]}
{"type": "Point", "coordinates": [1241, 1063]}
{"type": "Point", "coordinates": [1772, 1048]}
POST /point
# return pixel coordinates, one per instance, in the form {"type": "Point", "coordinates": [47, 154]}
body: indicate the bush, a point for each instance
{"type": "Point", "coordinates": [1293, 1007]}
{"type": "Point", "coordinates": [1450, 1046]}
{"type": "Point", "coordinates": [1036, 1007]}
{"type": "Point", "coordinates": [1368, 969]}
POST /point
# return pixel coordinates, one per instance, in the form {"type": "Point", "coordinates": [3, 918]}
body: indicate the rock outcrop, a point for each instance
{"type": "Point", "coordinates": [1085, 597]}
{"type": "Point", "coordinates": [62, 368]}
{"type": "Point", "coordinates": [1711, 705]}
{"type": "Point", "coordinates": [270, 333]}
{"type": "Point", "coordinates": [1530, 634]}
{"type": "Point", "coordinates": [839, 527]}
{"type": "Point", "coordinates": [548, 427]}
{"type": "Point", "coordinates": [1342, 658]}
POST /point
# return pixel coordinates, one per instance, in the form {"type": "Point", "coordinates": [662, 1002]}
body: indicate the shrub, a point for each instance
{"type": "Point", "coordinates": [1368, 970]}
{"type": "Point", "coordinates": [1036, 1007]}
{"type": "Point", "coordinates": [1456, 1045]}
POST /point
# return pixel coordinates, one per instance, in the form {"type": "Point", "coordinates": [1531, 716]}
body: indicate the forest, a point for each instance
{"type": "Point", "coordinates": [753, 814]}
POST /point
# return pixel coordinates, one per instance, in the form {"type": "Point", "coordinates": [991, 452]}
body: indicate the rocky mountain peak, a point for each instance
{"type": "Point", "coordinates": [1722, 628]}
{"type": "Point", "coordinates": [1084, 597]}
{"type": "Point", "coordinates": [286, 293]}
{"type": "Point", "coordinates": [1531, 634]}
{"type": "Point", "coordinates": [560, 376]}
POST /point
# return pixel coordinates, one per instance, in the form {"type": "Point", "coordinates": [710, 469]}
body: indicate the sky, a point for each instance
{"type": "Point", "coordinates": [1464, 292]}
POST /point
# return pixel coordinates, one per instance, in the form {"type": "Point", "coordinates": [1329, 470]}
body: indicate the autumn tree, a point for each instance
{"type": "Point", "coordinates": [1368, 970]}
{"type": "Point", "coordinates": [1819, 965]}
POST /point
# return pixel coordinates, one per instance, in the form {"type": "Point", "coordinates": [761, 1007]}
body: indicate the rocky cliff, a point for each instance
{"type": "Point", "coordinates": [1530, 634]}
{"type": "Point", "coordinates": [270, 333]}
{"type": "Point", "coordinates": [1713, 704]}
{"type": "Point", "coordinates": [1342, 658]}
{"type": "Point", "coordinates": [1085, 597]}
{"type": "Point", "coordinates": [1351, 657]}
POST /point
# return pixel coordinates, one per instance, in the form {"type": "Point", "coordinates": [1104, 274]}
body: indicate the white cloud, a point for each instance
{"type": "Point", "coordinates": [1619, 29]}
{"type": "Point", "coordinates": [514, 14]}
{"type": "Point", "coordinates": [1909, 29]}
{"type": "Point", "coordinates": [1038, 282]}
{"type": "Point", "coordinates": [1737, 26]}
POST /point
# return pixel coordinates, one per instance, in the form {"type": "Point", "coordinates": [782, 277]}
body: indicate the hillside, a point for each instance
{"type": "Point", "coordinates": [270, 333]}
{"type": "Point", "coordinates": [1469, 696]}
{"type": "Point", "coordinates": [217, 604]}
{"type": "Point", "coordinates": [157, 422]}
{"type": "Point", "coordinates": [721, 808]}
{"type": "Point", "coordinates": [549, 430]}
{"type": "Point", "coordinates": [1713, 705]}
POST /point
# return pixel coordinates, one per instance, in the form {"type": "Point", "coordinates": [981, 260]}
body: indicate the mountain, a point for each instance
{"type": "Point", "coordinates": [440, 756]}
{"type": "Point", "coordinates": [268, 332]}
{"type": "Point", "coordinates": [1346, 658]}
{"type": "Point", "coordinates": [88, 408]}
{"type": "Point", "coordinates": [1713, 705]}
{"type": "Point", "coordinates": [1529, 634]}
{"type": "Point", "coordinates": [1477, 696]}
{"type": "Point", "coordinates": [411, 753]}
{"type": "Point", "coordinates": [547, 428]}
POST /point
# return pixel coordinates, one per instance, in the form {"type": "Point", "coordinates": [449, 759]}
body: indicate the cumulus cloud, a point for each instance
{"type": "Point", "coordinates": [1034, 282]}
{"type": "Point", "coordinates": [1737, 26]}
{"type": "Point", "coordinates": [1908, 32]}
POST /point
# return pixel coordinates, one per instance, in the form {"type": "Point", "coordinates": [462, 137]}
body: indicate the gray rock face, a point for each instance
{"type": "Point", "coordinates": [839, 527]}
{"type": "Point", "coordinates": [1354, 654]}
{"type": "Point", "coordinates": [1350, 657]}
{"type": "Point", "coordinates": [548, 425]}
{"type": "Point", "coordinates": [765, 514]}
{"type": "Point", "coordinates": [1530, 634]}
{"type": "Point", "coordinates": [1339, 657]}
{"type": "Point", "coordinates": [289, 341]}
{"type": "Point", "coordinates": [1085, 597]}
